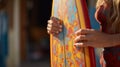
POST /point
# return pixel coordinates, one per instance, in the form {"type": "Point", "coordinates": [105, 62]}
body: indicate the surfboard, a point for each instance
{"type": "Point", "coordinates": [74, 14]}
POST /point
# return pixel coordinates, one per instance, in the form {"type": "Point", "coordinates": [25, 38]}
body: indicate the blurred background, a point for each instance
{"type": "Point", "coordinates": [24, 41]}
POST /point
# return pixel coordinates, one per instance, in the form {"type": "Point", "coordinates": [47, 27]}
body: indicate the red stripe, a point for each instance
{"type": "Point", "coordinates": [87, 23]}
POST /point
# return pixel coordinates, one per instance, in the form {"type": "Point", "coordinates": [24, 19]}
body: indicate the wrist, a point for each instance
{"type": "Point", "coordinates": [115, 39]}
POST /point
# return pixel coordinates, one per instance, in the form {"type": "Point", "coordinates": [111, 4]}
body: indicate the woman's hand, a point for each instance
{"type": "Point", "coordinates": [93, 38]}
{"type": "Point", "coordinates": [54, 26]}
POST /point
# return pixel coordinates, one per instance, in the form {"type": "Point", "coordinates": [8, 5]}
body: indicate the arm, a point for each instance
{"type": "Point", "coordinates": [93, 38]}
{"type": "Point", "coordinates": [116, 39]}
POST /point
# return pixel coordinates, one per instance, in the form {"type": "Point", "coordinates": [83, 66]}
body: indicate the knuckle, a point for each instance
{"type": "Point", "coordinates": [82, 36]}
{"type": "Point", "coordinates": [81, 30]}
{"type": "Point", "coordinates": [48, 32]}
{"type": "Point", "coordinates": [49, 25]}
{"type": "Point", "coordinates": [48, 21]}
{"type": "Point", "coordinates": [47, 28]}
{"type": "Point", "coordinates": [51, 21]}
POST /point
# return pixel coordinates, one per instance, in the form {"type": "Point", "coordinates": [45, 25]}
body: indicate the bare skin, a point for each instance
{"type": "Point", "coordinates": [54, 26]}
{"type": "Point", "coordinates": [93, 38]}
{"type": "Point", "coordinates": [85, 37]}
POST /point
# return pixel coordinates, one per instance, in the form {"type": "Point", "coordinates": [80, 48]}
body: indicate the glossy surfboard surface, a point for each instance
{"type": "Point", "coordinates": [74, 14]}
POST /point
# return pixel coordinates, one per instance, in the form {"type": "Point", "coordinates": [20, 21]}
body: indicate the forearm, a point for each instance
{"type": "Point", "coordinates": [116, 39]}
{"type": "Point", "coordinates": [111, 40]}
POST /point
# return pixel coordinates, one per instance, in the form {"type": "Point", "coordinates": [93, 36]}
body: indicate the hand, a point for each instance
{"type": "Point", "coordinates": [93, 38]}
{"type": "Point", "coordinates": [54, 26]}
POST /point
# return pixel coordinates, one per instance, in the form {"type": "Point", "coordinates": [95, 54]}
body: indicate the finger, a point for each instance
{"type": "Point", "coordinates": [55, 35]}
{"type": "Point", "coordinates": [49, 30]}
{"type": "Point", "coordinates": [84, 31]}
{"type": "Point", "coordinates": [79, 45]}
{"type": "Point", "coordinates": [81, 32]}
{"type": "Point", "coordinates": [49, 25]}
{"type": "Point", "coordinates": [80, 38]}
{"type": "Point", "coordinates": [83, 44]}
{"type": "Point", "coordinates": [57, 20]}
{"type": "Point", "coordinates": [50, 21]}
{"type": "Point", "coordinates": [55, 27]}
{"type": "Point", "coordinates": [54, 19]}
{"type": "Point", "coordinates": [53, 30]}
{"type": "Point", "coordinates": [53, 23]}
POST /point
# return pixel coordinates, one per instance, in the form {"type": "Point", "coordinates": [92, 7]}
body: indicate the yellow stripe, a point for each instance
{"type": "Point", "coordinates": [51, 39]}
{"type": "Point", "coordinates": [87, 57]}
{"type": "Point", "coordinates": [81, 14]}
{"type": "Point", "coordinates": [52, 9]}
{"type": "Point", "coordinates": [51, 50]}
{"type": "Point", "coordinates": [82, 23]}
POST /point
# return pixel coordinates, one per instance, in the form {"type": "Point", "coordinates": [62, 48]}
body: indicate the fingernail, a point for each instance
{"type": "Point", "coordinates": [78, 44]}
{"type": "Point", "coordinates": [59, 22]}
{"type": "Point", "coordinates": [60, 30]}
{"type": "Point", "coordinates": [57, 32]}
{"type": "Point", "coordinates": [60, 26]}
